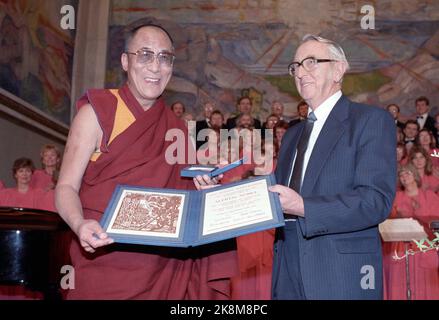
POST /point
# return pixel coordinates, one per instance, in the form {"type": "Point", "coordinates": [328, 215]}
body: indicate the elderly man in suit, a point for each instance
{"type": "Point", "coordinates": [336, 173]}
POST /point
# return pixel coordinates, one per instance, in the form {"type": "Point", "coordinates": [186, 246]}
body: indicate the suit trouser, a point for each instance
{"type": "Point", "coordinates": [287, 284]}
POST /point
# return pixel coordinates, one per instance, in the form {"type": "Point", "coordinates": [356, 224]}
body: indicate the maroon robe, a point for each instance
{"type": "Point", "coordinates": [137, 157]}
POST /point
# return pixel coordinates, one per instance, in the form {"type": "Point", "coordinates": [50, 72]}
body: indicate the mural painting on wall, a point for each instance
{"type": "Point", "coordinates": [36, 55]}
{"type": "Point", "coordinates": [232, 47]}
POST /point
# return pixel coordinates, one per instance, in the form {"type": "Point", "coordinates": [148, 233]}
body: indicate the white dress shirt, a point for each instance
{"type": "Point", "coordinates": [421, 121]}
{"type": "Point", "coordinates": [321, 112]}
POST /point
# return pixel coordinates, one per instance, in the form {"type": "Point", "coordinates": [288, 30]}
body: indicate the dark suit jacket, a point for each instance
{"type": "Point", "coordinates": [429, 125]}
{"type": "Point", "coordinates": [231, 123]}
{"type": "Point", "coordinates": [294, 122]}
{"type": "Point", "coordinates": [400, 124]}
{"type": "Point", "coordinates": [200, 125]}
{"type": "Point", "coordinates": [348, 189]}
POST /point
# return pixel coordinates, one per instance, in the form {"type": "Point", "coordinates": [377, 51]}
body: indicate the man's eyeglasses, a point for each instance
{"type": "Point", "coordinates": [146, 56]}
{"type": "Point", "coordinates": [309, 64]}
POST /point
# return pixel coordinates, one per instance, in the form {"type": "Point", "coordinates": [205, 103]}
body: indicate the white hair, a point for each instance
{"type": "Point", "coordinates": [335, 50]}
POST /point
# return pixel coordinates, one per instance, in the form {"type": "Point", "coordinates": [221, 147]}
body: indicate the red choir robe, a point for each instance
{"type": "Point", "coordinates": [430, 182]}
{"type": "Point", "coordinates": [255, 254]}
{"type": "Point", "coordinates": [434, 160]}
{"type": "Point", "coordinates": [41, 180]}
{"type": "Point", "coordinates": [33, 199]}
{"type": "Point", "coordinates": [423, 267]}
{"type": "Point", "coordinates": [133, 153]}
{"type": "Point", "coordinates": [2, 186]}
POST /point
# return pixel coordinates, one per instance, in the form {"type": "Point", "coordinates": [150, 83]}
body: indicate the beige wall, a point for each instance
{"type": "Point", "coordinates": [19, 140]}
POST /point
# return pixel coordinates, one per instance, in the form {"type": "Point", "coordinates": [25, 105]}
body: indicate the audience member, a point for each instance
{"type": "Point", "coordinates": [436, 125]}
{"type": "Point", "coordinates": [411, 130]}
{"type": "Point", "coordinates": [422, 117]}
{"type": "Point", "coordinates": [399, 135]}
{"type": "Point", "coordinates": [425, 139]}
{"type": "Point", "coordinates": [244, 107]}
{"type": "Point", "coordinates": [23, 195]}
{"type": "Point", "coordinates": [46, 177]}
{"type": "Point", "coordinates": [279, 130]}
{"type": "Point", "coordinates": [302, 113]}
{"type": "Point", "coordinates": [277, 109]}
{"type": "Point", "coordinates": [272, 120]}
{"type": "Point", "coordinates": [208, 108]}
{"type": "Point", "coordinates": [401, 154]}
{"type": "Point", "coordinates": [255, 251]}
{"type": "Point", "coordinates": [394, 111]}
{"type": "Point", "coordinates": [412, 202]}
{"type": "Point", "coordinates": [179, 109]}
{"type": "Point", "coordinates": [422, 162]}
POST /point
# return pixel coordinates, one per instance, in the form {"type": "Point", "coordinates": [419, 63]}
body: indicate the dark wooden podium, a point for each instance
{"type": "Point", "coordinates": [33, 248]}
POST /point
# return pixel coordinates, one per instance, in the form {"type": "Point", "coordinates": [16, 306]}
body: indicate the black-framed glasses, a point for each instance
{"type": "Point", "coordinates": [309, 64]}
{"type": "Point", "coordinates": [146, 56]}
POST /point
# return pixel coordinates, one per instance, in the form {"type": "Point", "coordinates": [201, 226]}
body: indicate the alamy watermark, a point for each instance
{"type": "Point", "coordinates": [68, 17]}
{"type": "Point", "coordinates": [368, 280]}
{"type": "Point", "coordinates": [368, 21]}
{"type": "Point", "coordinates": [68, 280]}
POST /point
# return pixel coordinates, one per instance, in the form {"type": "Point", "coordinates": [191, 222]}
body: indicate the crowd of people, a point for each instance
{"type": "Point", "coordinates": [116, 138]}
{"type": "Point", "coordinates": [34, 189]}
{"type": "Point", "coordinates": [417, 195]}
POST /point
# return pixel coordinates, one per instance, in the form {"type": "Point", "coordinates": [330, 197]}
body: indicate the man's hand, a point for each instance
{"type": "Point", "coordinates": [91, 235]}
{"type": "Point", "coordinates": [205, 182]}
{"type": "Point", "coordinates": [290, 200]}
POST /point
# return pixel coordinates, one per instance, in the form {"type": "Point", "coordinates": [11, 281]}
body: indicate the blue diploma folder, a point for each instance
{"type": "Point", "coordinates": [179, 218]}
{"type": "Point", "coordinates": [211, 171]}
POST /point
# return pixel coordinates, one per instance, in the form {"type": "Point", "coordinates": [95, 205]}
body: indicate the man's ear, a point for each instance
{"type": "Point", "coordinates": [339, 71]}
{"type": "Point", "coordinates": [124, 61]}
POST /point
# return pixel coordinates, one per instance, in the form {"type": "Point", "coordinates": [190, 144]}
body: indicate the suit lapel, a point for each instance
{"type": "Point", "coordinates": [331, 132]}
{"type": "Point", "coordinates": [284, 168]}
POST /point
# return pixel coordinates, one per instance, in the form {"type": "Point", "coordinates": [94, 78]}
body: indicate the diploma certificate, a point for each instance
{"type": "Point", "coordinates": [183, 218]}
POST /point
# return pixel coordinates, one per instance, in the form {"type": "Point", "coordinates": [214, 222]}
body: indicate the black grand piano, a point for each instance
{"type": "Point", "coordinates": [33, 248]}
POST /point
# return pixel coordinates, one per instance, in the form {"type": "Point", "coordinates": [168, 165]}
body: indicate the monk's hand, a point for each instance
{"type": "Point", "coordinates": [290, 200]}
{"type": "Point", "coordinates": [91, 235]}
{"type": "Point", "coordinates": [205, 182]}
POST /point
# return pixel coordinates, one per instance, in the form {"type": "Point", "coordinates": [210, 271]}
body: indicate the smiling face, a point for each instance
{"type": "Point", "coordinates": [49, 158]}
{"type": "Point", "coordinates": [317, 85]}
{"type": "Point", "coordinates": [419, 161]}
{"type": "Point", "coordinates": [424, 138]}
{"type": "Point", "coordinates": [23, 176]}
{"type": "Point", "coordinates": [421, 107]}
{"type": "Point", "coordinates": [277, 109]}
{"type": "Point", "coordinates": [411, 130]}
{"type": "Point", "coordinates": [216, 120]}
{"type": "Point", "coordinates": [178, 109]}
{"type": "Point", "coordinates": [406, 178]}
{"type": "Point", "coordinates": [245, 121]}
{"type": "Point", "coordinates": [147, 81]}
{"type": "Point", "coordinates": [303, 111]}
